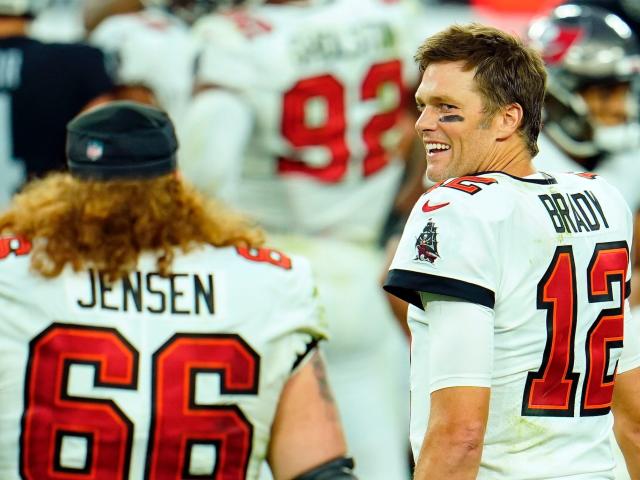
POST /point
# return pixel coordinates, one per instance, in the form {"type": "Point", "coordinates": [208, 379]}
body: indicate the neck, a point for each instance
{"type": "Point", "coordinates": [13, 26]}
{"type": "Point", "coordinates": [513, 159]}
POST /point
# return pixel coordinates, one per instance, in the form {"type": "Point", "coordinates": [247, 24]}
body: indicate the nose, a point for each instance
{"type": "Point", "coordinates": [427, 121]}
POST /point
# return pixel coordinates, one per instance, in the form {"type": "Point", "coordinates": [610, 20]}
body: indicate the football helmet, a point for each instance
{"type": "Point", "coordinates": [21, 8]}
{"type": "Point", "coordinates": [585, 46]}
{"type": "Point", "coordinates": [191, 10]}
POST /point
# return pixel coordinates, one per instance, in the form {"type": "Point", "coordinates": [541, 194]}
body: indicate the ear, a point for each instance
{"type": "Point", "coordinates": [509, 120]}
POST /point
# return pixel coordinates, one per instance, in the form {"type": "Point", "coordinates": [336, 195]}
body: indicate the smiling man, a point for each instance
{"type": "Point", "coordinates": [523, 278]}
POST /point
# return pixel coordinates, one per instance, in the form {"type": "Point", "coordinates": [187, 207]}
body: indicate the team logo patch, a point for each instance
{"type": "Point", "coordinates": [95, 149]}
{"type": "Point", "coordinates": [427, 243]}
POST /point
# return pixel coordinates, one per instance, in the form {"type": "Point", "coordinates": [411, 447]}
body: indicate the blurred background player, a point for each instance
{"type": "Point", "coordinates": [42, 86]}
{"type": "Point", "coordinates": [628, 10]}
{"type": "Point", "coordinates": [156, 52]}
{"type": "Point", "coordinates": [591, 106]}
{"type": "Point", "coordinates": [129, 347]}
{"type": "Point", "coordinates": [593, 95]}
{"type": "Point", "coordinates": [314, 94]}
{"type": "Point", "coordinates": [95, 11]}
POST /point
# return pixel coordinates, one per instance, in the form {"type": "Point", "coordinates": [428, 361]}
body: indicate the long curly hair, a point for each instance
{"type": "Point", "coordinates": [106, 225]}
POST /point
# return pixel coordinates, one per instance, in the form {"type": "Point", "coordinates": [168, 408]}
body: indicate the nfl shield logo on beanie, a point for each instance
{"type": "Point", "coordinates": [94, 150]}
{"type": "Point", "coordinates": [121, 140]}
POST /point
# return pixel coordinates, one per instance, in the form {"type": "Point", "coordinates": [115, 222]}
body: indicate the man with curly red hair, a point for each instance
{"type": "Point", "coordinates": [144, 330]}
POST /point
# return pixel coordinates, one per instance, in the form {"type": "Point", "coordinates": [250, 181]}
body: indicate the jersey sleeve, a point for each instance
{"type": "Point", "coordinates": [225, 57]}
{"type": "Point", "coordinates": [630, 357]}
{"type": "Point", "coordinates": [112, 36]}
{"type": "Point", "coordinates": [153, 50]}
{"type": "Point", "coordinates": [211, 158]}
{"type": "Point", "coordinates": [450, 246]}
{"type": "Point", "coordinates": [301, 310]}
{"type": "Point", "coordinates": [302, 319]}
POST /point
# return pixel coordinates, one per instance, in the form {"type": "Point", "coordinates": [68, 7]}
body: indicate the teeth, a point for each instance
{"type": "Point", "coordinates": [437, 146]}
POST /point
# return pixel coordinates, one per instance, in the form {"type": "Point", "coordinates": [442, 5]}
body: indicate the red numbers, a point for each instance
{"type": "Point", "coordinates": [296, 128]}
{"type": "Point", "coordinates": [268, 255]}
{"type": "Point", "coordinates": [52, 415]}
{"type": "Point", "coordinates": [467, 184]}
{"type": "Point", "coordinates": [589, 175]}
{"type": "Point", "coordinates": [379, 75]}
{"type": "Point", "coordinates": [13, 244]}
{"type": "Point", "coordinates": [608, 265]}
{"type": "Point", "coordinates": [250, 26]}
{"type": "Point", "coordinates": [325, 96]}
{"type": "Point", "coordinates": [551, 390]}
{"type": "Point", "coordinates": [180, 422]}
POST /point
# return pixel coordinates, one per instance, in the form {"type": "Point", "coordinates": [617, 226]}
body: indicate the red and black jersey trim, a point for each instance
{"type": "Point", "coordinates": [311, 347]}
{"type": "Point", "coordinates": [406, 285]}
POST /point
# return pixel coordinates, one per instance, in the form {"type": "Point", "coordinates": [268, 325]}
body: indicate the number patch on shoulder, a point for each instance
{"type": "Point", "coordinates": [16, 245]}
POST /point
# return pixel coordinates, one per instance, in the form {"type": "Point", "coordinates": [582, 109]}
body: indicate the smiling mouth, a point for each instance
{"type": "Point", "coordinates": [434, 148]}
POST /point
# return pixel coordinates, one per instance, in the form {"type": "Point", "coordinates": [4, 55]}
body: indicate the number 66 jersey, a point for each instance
{"type": "Point", "coordinates": [149, 377]}
{"type": "Point", "coordinates": [550, 255]}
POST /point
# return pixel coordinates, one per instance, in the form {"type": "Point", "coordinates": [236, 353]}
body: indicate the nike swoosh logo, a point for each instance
{"type": "Point", "coordinates": [430, 208]}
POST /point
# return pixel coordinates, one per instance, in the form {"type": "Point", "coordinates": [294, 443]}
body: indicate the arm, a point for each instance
{"type": "Point", "coordinates": [212, 157]}
{"type": "Point", "coordinates": [626, 396]}
{"type": "Point", "coordinates": [459, 385]}
{"type": "Point", "coordinates": [452, 446]}
{"type": "Point", "coordinates": [626, 414]}
{"type": "Point", "coordinates": [409, 193]}
{"type": "Point", "coordinates": [398, 306]}
{"type": "Point", "coordinates": [306, 431]}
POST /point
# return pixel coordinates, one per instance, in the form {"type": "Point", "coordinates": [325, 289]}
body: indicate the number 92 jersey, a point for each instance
{"type": "Point", "coordinates": [149, 377]}
{"type": "Point", "coordinates": [550, 255]}
{"type": "Point", "coordinates": [326, 83]}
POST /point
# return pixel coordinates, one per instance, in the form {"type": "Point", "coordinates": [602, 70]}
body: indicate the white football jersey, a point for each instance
{"type": "Point", "coordinates": [150, 377]}
{"type": "Point", "coordinates": [550, 255]}
{"type": "Point", "coordinates": [327, 83]}
{"type": "Point", "coordinates": [155, 49]}
{"type": "Point", "coordinates": [621, 169]}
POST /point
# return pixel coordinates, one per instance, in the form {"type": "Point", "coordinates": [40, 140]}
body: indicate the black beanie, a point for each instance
{"type": "Point", "coordinates": [121, 140]}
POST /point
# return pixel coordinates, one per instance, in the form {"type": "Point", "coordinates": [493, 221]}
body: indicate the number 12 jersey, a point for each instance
{"type": "Point", "coordinates": [550, 255]}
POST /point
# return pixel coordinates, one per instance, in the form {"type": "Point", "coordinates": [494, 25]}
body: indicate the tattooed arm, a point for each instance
{"type": "Point", "coordinates": [306, 431]}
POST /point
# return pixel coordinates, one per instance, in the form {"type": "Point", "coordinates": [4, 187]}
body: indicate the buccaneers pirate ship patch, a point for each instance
{"type": "Point", "coordinates": [427, 243]}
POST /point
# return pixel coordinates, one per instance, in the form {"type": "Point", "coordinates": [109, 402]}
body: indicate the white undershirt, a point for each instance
{"type": "Point", "coordinates": [461, 342]}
